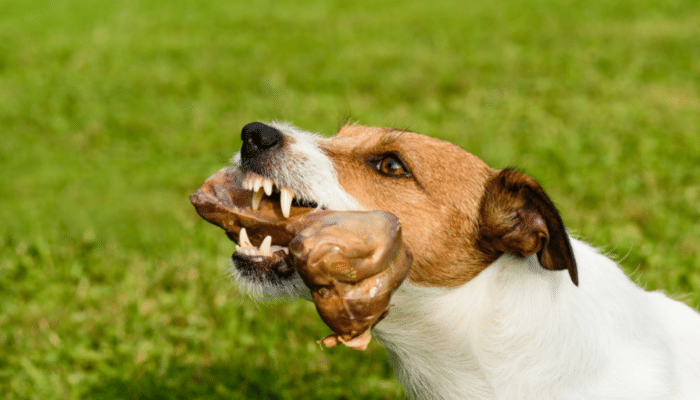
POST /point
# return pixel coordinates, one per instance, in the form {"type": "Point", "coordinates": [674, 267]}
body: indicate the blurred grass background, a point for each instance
{"type": "Point", "coordinates": [113, 112]}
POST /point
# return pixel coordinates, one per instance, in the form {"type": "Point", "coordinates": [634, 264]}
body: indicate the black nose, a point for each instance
{"type": "Point", "coordinates": [257, 138]}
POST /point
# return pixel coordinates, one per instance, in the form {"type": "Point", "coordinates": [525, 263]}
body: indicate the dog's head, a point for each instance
{"type": "Point", "coordinates": [458, 215]}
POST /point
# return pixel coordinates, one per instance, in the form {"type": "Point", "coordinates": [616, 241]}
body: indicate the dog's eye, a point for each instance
{"type": "Point", "coordinates": [391, 165]}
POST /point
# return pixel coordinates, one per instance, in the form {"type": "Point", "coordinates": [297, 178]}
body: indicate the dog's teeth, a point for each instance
{"type": "Point", "coordinates": [257, 198]}
{"type": "Point", "coordinates": [247, 181]}
{"type": "Point", "coordinates": [268, 184]}
{"type": "Point", "coordinates": [243, 239]}
{"type": "Point", "coordinates": [266, 247]}
{"type": "Point", "coordinates": [286, 197]}
{"type": "Point", "coordinates": [258, 183]}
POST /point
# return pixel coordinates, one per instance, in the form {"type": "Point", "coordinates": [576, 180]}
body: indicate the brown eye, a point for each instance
{"type": "Point", "coordinates": [391, 165]}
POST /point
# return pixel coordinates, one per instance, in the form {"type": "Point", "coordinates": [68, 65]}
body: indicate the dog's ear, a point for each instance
{"type": "Point", "coordinates": [517, 216]}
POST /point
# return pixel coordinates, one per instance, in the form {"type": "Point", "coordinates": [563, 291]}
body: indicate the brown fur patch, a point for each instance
{"type": "Point", "coordinates": [440, 203]}
{"type": "Point", "coordinates": [517, 216]}
{"type": "Point", "coordinates": [437, 204]}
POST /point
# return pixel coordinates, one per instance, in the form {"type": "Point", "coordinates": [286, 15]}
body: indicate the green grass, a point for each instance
{"type": "Point", "coordinates": [112, 113]}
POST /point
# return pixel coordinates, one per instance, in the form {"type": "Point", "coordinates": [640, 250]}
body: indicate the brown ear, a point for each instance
{"type": "Point", "coordinates": [517, 216]}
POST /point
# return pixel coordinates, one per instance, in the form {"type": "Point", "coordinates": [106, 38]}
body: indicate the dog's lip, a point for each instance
{"type": "Point", "coordinates": [222, 201]}
{"type": "Point", "coordinates": [258, 266]}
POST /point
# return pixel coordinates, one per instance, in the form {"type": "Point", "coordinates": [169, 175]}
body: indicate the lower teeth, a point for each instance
{"type": "Point", "coordinates": [254, 251]}
{"type": "Point", "coordinates": [247, 248]}
{"type": "Point", "coordinates": [248, 251]}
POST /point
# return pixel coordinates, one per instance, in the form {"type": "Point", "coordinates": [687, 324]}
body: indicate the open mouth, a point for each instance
{"type": "Point", "coordinates": [257, 214]}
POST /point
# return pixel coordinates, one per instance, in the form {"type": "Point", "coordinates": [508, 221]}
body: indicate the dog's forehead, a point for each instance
{"type": "Point", "coordinates": [368, 139]}
{"type": "Point", "coordinates": [356, 130]}
{"type": "Point", "coordinates": [425, 154]}
{"type": "Point", "coordinates": [360, 138]}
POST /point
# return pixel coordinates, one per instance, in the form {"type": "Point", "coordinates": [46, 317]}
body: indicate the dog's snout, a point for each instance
{"type": "Point", "coordinates": [257, 138]}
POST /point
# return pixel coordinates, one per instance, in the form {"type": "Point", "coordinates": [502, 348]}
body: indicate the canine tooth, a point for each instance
{"type": "Point", "coordinates": [257, 198]}
{"type": "Point", "coordinates": [268, 184]}
{"type": "Point", "coordinates": [266, 246]}
{"type": "Point", "coordinates": [243, 239]}
{"type": "Point", "coordinates": [286, 197]}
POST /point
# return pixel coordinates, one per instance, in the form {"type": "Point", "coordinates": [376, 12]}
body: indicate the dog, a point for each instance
{"type": "Point", "coordinates": [500, 302]}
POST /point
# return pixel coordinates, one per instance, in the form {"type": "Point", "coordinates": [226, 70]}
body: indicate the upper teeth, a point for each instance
{"type": "Point", "coordinates": [286, 197]}
{"type": "Point", "coordinates": [257, 198]}
{"type": "Point", "coordinates": [261, 185]}
{"type": "Point", "coordinates": [268, 185]}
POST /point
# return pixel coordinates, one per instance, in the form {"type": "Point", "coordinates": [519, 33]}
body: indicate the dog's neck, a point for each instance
{"type": "Point", "coordinates": [514, 324]}
{"type": "Point", "coordinates": [429, 362]}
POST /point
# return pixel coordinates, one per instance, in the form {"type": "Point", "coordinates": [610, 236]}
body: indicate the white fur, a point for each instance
{"type": "Point", "coordinates": [517, 331]}
{"type": "Point", "coordinates": [292, 288]}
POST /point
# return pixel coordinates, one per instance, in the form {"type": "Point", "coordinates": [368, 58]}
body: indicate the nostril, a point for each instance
{"type": "Point", "coordinates": [260, 136]}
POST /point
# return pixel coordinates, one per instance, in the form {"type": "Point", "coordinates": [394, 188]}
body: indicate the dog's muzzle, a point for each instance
{"type": "Point", "coordinates": [259, 216]}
